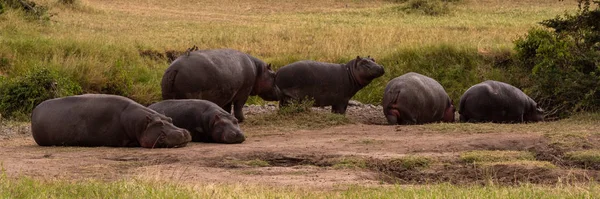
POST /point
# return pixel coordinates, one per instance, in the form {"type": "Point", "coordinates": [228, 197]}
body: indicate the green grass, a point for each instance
{"type": "Point", "coordinates": [495, 156]}
{"type": "Point", "coordinates": [350, 163]}
{"type": "Point", "coordinates": [30, 188]}
{"type": "Point", "coordinates": [585, 157]}
{"type": "Point", "coordinates": [518, 163]}
{"type": "Point", "coordinates": [302, 120]}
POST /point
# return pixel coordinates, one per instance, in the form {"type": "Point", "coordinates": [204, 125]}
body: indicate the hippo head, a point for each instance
{"type": "Point", "coordinates": [225, 129]}
{"type": "Point", "coordinates": [365, 70]}
{"type": "Point", "coordinates": [264, 86]}
{"type": "Point", "coordinates": [161, 133]}
{"type": "Point", "coordinates": [449, 112]}
{"type": "Point", "coordinates": [535, 115]}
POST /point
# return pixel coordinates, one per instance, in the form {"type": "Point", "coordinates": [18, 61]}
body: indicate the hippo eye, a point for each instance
{"type": "Point", "coordinates": [162, 136]}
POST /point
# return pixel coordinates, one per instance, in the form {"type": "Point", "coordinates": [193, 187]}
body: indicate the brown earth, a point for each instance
{"type": "Point", "coordinates": [355, 154]}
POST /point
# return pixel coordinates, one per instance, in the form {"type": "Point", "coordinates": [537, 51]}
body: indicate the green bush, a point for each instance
{"type": "Point", "coordinates": [427, 7]}
{"type": "Point", "coordinates": [564, 62]}
{"type": "Point", "coordinates": [18, 96]}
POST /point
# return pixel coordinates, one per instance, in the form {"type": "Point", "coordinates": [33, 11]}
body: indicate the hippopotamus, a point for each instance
{"type": "Point", "coordinates": [327, 84]}
{"type": "Point", "coordinates": [103, 120]}
{"type": "Point", "coordinates": [225, 77]}
{"type": "Point", "coordinates": [416, 99]}
{"type": "Point", "coordinates": [499, 102]}
{"type": "Point", "coordinates": [206, 121]}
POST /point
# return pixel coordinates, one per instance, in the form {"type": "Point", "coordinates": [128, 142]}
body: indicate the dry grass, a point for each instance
{"type": "Point", "coordinates": [495, 156]}
{"type": "Point", "coordinates": [93, 37]}
{"type": "Point", "coordinates": [326, 30]}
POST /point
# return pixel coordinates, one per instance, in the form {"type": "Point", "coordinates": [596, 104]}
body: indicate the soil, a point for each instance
{"type": "Point", "coordinates": [296, 157]}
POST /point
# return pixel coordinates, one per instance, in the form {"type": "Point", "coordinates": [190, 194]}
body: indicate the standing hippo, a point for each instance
{"type": "Point", "coordinates": [206, 121]}
{"type": "Point", "coordinates": [416, 99]}
{"type": "Point", "coordinates": [103, 120]}
{"type": "Point", "coordinates": [326, 83]}
{"type": "Point", "coordinates": [225, 77]}
{"type": "Point", "coordinates": [493, 101]}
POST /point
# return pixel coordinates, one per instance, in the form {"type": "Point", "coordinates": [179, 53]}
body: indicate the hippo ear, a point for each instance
{"type": "Point", "coordinates": [269, 66]}
{"type": "Point", "coordinates": [357, 57]}
{"type": "Point", "coordinates": [215, 119]}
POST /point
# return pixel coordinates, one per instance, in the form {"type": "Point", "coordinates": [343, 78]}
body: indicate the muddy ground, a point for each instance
{"type": "Point", "coordinates": [363, 153]}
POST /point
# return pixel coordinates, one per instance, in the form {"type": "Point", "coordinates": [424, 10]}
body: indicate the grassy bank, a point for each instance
{"type": "Point", "coordinates": [98, 44]}
{"type": "Point", "coordinates": [30, 188]}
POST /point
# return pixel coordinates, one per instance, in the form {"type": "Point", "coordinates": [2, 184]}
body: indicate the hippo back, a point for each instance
{"type": "Point", "coordinates": [200, 118]}
{"type": "Point", "coordinates": [418, 98]}
{"type": "Point", "coordinates": [494, 101]}
{"type": "Point", "coordinates": [196, 75]}
{"type": "Point", "coordinates": [101, 120]}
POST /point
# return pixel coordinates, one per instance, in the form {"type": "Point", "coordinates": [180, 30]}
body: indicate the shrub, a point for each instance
{"type": "Point", "coordinates": [565, 75]}
{"type": "Point", "coordinates": [427, 7]}
{"type": "Point", "coordinates": [67, 2]}
{"type": "Point", "coordinates": [18, 96]}
{"type": "Point", "coordinates": [32, 10]}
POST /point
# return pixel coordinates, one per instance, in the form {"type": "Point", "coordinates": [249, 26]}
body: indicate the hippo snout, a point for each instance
{"type": "Point", "coordinates": [185, 134]}
{"type": "Point", "coordinates": [381, 71]}
{"type": "Point", "coordinates": [235, 138]}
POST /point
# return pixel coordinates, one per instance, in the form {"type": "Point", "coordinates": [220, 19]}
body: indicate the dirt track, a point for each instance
{"type": "Point", "coordinates": [272, 156]}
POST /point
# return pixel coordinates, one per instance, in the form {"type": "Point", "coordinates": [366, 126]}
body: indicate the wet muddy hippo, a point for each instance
{"type": "Point", "coordinates": [206, 121]}
{"type": "Point", "coordinates": [416, 99]}
{"type": "Point", "coordinates": [493, 101]}
{"type": "Point", "coordinates": [326, 83]}
{"type": "Point", "coordinates": [225, 77]}
{"type": "Point", "coordinates": [103, 120]}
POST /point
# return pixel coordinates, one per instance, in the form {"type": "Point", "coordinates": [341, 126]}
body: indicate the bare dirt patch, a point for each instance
{"type": "Point", "coordinates": [365, 154]}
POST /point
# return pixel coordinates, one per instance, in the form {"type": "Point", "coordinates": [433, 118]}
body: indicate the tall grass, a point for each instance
{"type": "Point", "coordinates": [97, 43]}
{"type": "Point", "coordinates": [30, 188]}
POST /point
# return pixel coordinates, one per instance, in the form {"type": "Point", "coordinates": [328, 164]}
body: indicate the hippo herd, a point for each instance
{"type": "Point", "coordinates": [200, 87]}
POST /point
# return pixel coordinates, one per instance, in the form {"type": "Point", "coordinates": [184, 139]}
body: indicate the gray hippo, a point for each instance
{"type": "Point", "coordinates": [225, 77]}
{"type": "Point", "coordinates": [416, 99]}
{"type": "Point", "coordinates": [326, 83]}
{"type": "Point", "coordinates": [206, 121]}
{"type": "Point", "coordinates": [493, 101]}
{"type": "Point", "coordinates": [103, 120]}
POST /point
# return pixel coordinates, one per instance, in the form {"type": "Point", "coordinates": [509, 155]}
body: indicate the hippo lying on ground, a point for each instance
{"type": "Point", "coordinates": [493, 101]}
{"type": "Point", "coordinates": [206, 121]}
{"type": "Point", "coordinates": [328, 84]}
{"type": "Point", "coordinates": [103, 120]}
{"type": "Point", "coordinates": [416, 99]}
{"type": "Point", "coordinates": [225, 77]}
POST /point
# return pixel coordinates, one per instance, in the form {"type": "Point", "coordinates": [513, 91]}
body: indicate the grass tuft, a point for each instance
{"type": "Point", "coordinates": [518, 163]}
{"type": "Point", "coordinates": [587, 158]}
{"type": "Point", "coordinates": [298, 118]}
{"type": "Point", "coordinates": [350, 163]}
{"type": "Point", "coordinates": [495, 156]}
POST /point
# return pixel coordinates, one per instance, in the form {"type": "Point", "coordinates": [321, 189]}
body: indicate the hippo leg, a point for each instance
{"type": "Point", "coordinates": [227, 107]}
{"type": "Point", "coordinates": [237, 110]}
{"type": "Point", "coordinates": [339, 108]}
{"type": "Point", "coordinates": [464, 118]}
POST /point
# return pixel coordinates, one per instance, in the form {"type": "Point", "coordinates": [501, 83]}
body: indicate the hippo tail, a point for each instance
{"type": "Point", "coordinates": [390, 109]}
{"type": "Point", "coordinates": [168, 83]}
